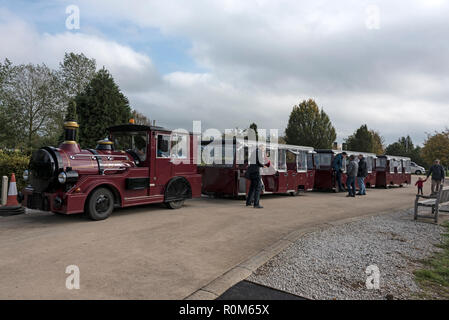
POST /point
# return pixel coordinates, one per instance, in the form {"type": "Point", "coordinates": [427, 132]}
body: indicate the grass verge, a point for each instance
{"type": "Point", "coordinates": [433, 278]}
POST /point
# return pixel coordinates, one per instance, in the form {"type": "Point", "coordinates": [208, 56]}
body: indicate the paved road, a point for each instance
{"type": "Point", "coordinates": [154, 253]}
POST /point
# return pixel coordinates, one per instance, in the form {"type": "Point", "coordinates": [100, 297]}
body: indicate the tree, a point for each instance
{"type": "Point", "coordinates": [365, 140]}
{"type": "Point", "coordinates": [405, 147]}
{"type": "Point", "coordinates": [76, 71]}
{"type": "Point", "coordinates": [100, 106]}
{"type": "Point", "coordinates": [5, 78]}
{"type": "Point", "coordinates": [378, 143]}
{"type": "Point", "coordinates": [31, 100]}
{"type": "Point", "coordinates": [310, 126]}
{"type": "Point", "coordinates": [437, 147]}
{"type": "Point", "coordinates": [361, 140]}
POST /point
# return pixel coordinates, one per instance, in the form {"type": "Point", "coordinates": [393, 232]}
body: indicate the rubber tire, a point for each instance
{"type": "Point", "coordinates": [92, 212]}
{"type": "Point", "coordinates": [418, 172]}
{"type": "Point", "coordinates": [175, 204]}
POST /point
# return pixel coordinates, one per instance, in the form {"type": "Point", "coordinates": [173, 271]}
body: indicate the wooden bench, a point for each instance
{"type": "Point", "coordinates": [434, 202]}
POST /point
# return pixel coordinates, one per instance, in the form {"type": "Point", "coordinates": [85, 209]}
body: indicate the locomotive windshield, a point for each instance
{"type": "Point", "coordinates": [134, 141]}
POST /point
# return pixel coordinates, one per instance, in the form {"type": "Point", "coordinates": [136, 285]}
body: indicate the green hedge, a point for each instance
{"type": "Point", "coordinates": [14, 162]}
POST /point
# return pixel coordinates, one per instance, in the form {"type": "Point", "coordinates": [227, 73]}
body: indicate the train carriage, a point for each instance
{"type": "Point", "coordinates": [325, 178]}
{"type": "Point", "coordinates": [136, 165]}
{"type": "Point", "coordinates": [224, 175]}
{"type": "Point", "coordinates": [393, 171]}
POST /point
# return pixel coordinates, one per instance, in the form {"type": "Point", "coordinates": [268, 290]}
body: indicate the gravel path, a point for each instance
{"type": "Point", "coordinates": [331, 264]}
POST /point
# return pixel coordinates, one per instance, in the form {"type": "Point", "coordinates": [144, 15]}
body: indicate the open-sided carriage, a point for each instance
{"type": "Point", "coordinates": [393, 171]}
{"type": "Point", "coordinates": [325, 176]}
{"type": "Point", "coordinates": [226, 162]}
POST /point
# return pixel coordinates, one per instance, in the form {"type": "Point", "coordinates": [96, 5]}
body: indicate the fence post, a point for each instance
{"type": "Point", "coordinates": [4, 195]}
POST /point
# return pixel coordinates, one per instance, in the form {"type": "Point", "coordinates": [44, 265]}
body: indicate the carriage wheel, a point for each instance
{"type": "Point", "coordinates": [100, 204]}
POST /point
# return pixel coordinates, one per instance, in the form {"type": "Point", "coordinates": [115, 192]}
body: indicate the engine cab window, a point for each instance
{"type": "Point", "coordinates": [163, 146]}
{"type": "Point", "coordinates": [135, 142]}
{"type": "Point", "coordinates": [178, 146]}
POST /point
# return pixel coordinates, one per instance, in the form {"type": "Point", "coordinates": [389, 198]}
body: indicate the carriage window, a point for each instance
{"type": "Point", "coordinates": [178, 146]}
{"type": "Point", "coordinates": [282, 164]}
{"type": "Point", "coordinates": [381, 163]}
{"type": "Point", "coordinates": [131, 141]}
{"type": "Point", "coordinates": [369, 163]}
{"type": "Point", "coordinates": [407, 166]}
{"type": "Point", "coordinates": [344, 163]}
{"type": "Point", "coordinates": [163, 146]}
{"type": "Point", "coordinates": [393, 165]}
{"type": "Point", "coordinates": [399, 165]}
{"type": "Point", "coordinates": [323, 160]}
{"type": "Point", "coordinates": [301, 158]}
{"type": "Point", "coordinates": [309, 161]}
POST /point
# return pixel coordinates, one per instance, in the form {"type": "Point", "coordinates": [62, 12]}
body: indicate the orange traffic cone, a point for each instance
{"type": "Point", "coordinates": [12, 193]}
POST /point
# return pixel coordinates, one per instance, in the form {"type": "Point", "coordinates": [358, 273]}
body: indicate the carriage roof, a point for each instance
{"type": "Point", "coordinates": [252, 143]}
{"type": "Point", "coordinates": [394, 157]}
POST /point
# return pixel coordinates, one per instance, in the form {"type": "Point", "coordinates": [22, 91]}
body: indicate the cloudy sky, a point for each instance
{"type": "Point", "coordinates": [231, 62]}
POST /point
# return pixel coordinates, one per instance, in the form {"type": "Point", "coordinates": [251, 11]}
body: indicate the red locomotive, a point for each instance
{"type": "Point", "coordinates": [136, 165]}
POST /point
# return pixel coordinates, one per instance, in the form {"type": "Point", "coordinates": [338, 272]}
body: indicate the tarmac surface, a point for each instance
{"type": "Point", "coordinates": [150, 252]}
{"type": "Point", "coordinates": [246, 290]}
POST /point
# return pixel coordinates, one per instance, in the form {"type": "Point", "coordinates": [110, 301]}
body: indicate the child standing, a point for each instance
{"type": "Point", "coordinates": [420, 184]}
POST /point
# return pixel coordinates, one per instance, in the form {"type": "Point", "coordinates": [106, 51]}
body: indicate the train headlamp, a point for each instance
{"type": "Point", "coordinates": [62, 177]}
{"type": "Point", "coordinates": [26, 175]}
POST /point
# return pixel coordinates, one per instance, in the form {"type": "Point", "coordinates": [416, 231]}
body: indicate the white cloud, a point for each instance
{"type": "Point", "coordinates": [262, 57]}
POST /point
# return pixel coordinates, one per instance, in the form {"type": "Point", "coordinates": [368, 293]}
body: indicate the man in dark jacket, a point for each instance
{"type": "Point", "coordinates": [437, 172]}
{"type": "Point", "coordinates": [362, 173]}
{"type": "Point", "coordinates": [337, 165]}
{"type": "Point", "coordinates": [253, 173]}
{"type": "Point", "coordinates": [351, 173]}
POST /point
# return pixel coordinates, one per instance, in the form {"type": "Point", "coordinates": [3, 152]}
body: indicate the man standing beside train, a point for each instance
{"type": "Point", "coordinates": [362, 173]}
{"type": "Point", "coordinates": [257, 161]}
{"type": "Point", "coordinates": [351, 173]}
{"type": "Point", "coordinates": [337, 165]}
{"type": "Point", "coordinates": [437, 172]}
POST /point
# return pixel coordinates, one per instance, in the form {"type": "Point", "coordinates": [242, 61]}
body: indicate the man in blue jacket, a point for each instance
{"type": "Point", "coordinates": [337, 165]}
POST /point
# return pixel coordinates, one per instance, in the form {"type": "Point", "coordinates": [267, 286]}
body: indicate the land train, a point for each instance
{"type": "Point", "coordinates": [139, 164]}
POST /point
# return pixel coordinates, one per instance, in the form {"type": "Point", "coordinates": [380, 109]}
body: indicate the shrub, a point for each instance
{"type": "Point", "coordinates": [15, 162]}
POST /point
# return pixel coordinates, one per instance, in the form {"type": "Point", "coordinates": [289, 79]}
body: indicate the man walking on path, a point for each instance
{"type": "Point", "coordinates": [437, 172]}
{"type": "Point", "coordinates": [362, 173]}
{"type": "Point", "coordinates": [253, 173]}
{"type": "Point", "coordinates": [337, 165]}
{"type": "Point", "coordinates": [351, 172]}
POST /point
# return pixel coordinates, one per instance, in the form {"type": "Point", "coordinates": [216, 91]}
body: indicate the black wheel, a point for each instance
{"type": "Point", "coordinates": [418, 172]}
{"type": "Point", "coordinates": [176, 193]}
{"type": "Point", "coordinates": [174, 204]}
{"type": "Point", "coordinates": [100, 204]}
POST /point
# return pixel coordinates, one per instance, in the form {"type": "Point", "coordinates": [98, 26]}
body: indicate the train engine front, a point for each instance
{"type": "Point", "coordinates": [55, 175]}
